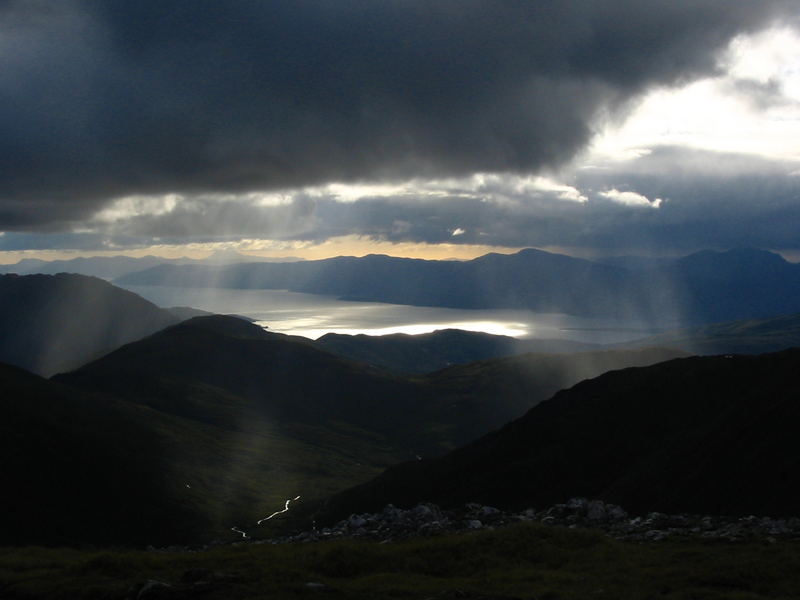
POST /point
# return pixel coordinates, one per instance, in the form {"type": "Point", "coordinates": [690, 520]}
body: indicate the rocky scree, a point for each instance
{"type": "Point", "coordinates": [394, 523]}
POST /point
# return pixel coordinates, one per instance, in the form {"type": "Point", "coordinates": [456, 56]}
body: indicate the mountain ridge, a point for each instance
{"type": "Point", "coordinates": [703, 287]}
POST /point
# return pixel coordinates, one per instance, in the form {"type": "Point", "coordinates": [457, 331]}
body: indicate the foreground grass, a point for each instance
{"type": "Point", "coordinates": [523, 561]}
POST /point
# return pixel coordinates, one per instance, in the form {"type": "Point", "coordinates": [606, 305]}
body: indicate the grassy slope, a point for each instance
{"type": "Point", "coordinates": [523, 561]}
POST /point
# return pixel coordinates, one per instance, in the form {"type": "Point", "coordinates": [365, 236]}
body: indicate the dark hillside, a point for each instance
{"type": "Point", "coordinates": [487, 394]}
{"type": "Point", "coordinates": [713, 435]}
{"type": "Point", "coordinates": [81, 468]}
{"type": "Point", "coordinates": [283, 378]}
{"type": "Point", "coordinates": [53, 323]}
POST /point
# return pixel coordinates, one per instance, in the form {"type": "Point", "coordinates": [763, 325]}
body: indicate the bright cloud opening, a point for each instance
{"type": "Point", "coordinates": [753, 107]}
{"type": "Point", "coordinates": [630, 198]}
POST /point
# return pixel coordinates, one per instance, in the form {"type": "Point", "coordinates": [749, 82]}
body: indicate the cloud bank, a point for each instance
{"type": "Point", "coordinates": [669, 199]}
{"type": "Point", "coordinates": [199, 99]}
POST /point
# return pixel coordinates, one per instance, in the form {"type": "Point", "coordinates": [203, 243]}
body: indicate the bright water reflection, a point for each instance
{"type": "Point", "coordinates": [311, 316]}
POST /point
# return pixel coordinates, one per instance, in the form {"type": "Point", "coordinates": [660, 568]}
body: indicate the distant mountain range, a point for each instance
{"type": "Point", "coordinates": [530, 279]}
{"type": "Point", "coordinates": [111, 267]}
{"type": "Point", "coordinates": [701, 288]}
{"type": "Point", "coordinates": [707, 435]}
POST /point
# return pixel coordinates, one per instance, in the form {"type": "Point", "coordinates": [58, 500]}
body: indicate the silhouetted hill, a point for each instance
{"type": "Point", "coordinates": [285, 378]}
{"type": "Point", "coordinates": [737, 284]}
{"type": "Point", "coordinates": [748, 336]}
{"type": "Point", "coordinates": [704, 287]}
{"type": "Point", "coordinates": [53, 323]}
{"type": "Point", "coordinates": [713, 435]}
{"type": "Point", "coordinates": [428, 352]}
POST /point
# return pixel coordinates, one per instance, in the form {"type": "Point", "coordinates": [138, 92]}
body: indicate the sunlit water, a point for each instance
{"type": "Point", "coordinates": [312, 316]}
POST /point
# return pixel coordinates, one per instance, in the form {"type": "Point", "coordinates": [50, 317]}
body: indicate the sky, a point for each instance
{"type": "Point", "coordinates": [440, 129]}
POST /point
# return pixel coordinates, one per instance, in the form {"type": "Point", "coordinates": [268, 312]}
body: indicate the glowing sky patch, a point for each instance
{"type": "Point", "coordinates": [718, 113]}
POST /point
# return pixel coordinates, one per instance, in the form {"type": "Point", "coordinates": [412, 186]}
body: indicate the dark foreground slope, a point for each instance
{"type": "Point", "coordinates": [523, 561]}
{"type": "Point", "coordinates": [53, 323]}
{"type": "Point", "coordinates": [713, 435]}
{"type": "Point", "coordinates": [78, 467]}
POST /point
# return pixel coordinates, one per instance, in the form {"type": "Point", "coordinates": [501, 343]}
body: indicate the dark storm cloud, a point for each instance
{"type": "Point", "coordinates": [105, 99]}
